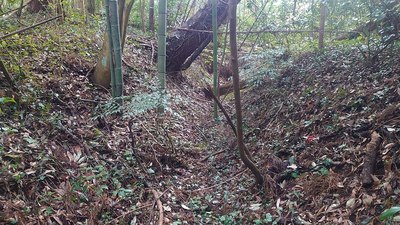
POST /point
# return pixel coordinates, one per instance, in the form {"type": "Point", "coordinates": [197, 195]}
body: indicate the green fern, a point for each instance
{"type": "Point", "coordinates": [133, 105]}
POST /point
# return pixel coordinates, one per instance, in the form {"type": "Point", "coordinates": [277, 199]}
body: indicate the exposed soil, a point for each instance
{"type": "Point", "coordinates": [65, 159]}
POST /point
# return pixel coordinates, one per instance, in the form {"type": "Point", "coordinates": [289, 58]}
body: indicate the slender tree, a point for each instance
{"type": "Point", "coordinates": [322, 17]}
{"type": "Point", "coordinates": [189, 6]}
{"type": "Point", "coordinates": [224, 46]}
{"type": "Point", "coordinates": [177, 13]}
{"type": "Point", "coordinates": [91, 7]}
{"type": "Point", "coordinates": [294, 8]}
{"type": "Point", "coordinates": [142, 4]}
{"type": "Point", "coordinates": [255, 22]}
{"type": "Point", "coordinates": [21, 5]}
{"type": "Point", "coordinates": [151, 16]}
{"type": "Point", "coordinates": [215, 55]}
{"type": "Point", "coordinates": [162, 30]}
{"type": "Point", "coordinates": [236, 86]}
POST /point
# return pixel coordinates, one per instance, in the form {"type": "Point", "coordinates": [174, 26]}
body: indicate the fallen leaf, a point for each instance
{"type": "Point", "coordinates": [367, 199]}
{"type": "Point", "coordinates": [350, 203]}
{"type": "Point", "coordinates": [185, 207]}
{"type": "Point", "coordinates": [255, 207]}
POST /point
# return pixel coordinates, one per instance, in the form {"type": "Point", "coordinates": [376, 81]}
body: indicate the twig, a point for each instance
{"type": "Point", "coordinates": [155, 158]}
{"type": "Point", "coordinates": [214, 154]}
{"type": "Point", "coordinates": [27, 28]}
{"type": "Point", "coordinates": [132, 137]}
{"type": "Point", "coordinates": [12, 10]}
{"type": "Point", "coordinates": [91, 101]}
{"type": "Point", "coordinates": [159, 206]}
{"type": "Point", "coordinates": [274, 117]}
{"type": "Point", "coordinates": [219, 184]}
{"type": "Point", "coordinates": [7, 75]}
{"type": "Point", "coordinates": [128, 64]}
{"type": "Point", "coordinates": [154, 138]}
{"type": "Point", "coordinates": [228, 119]}
{"type": "Point", "coordinates": [152, 53]}
{"type": "Point", "coordinates": [126, 213]}
{"type": "Point", "coordinates": [169, 139]}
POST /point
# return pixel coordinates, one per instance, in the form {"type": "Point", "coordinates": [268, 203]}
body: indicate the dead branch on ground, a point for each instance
{"type": "Point", "coordinates": [159, 206]}
{"type": "Point", "coordinates": [370, 159]}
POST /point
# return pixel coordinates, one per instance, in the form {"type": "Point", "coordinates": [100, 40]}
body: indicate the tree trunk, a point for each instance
{"type": "Point", "coordinates": [143, 18]}
{"type": "Point", "coordinates": [294, 8]}
{"type": "Point", "coordinates": [81, 6]}
{"type": "Point", "coordinates": [37, 5]}
{"type": "Point", "coordinates": [181, 44]}
{"type": "Point", "coordinates": [162, 30]}
{"type": "Point", "coordinates": [215, 56]}
{"type": "Point", "coordinates": [235, 75]}
{"type": "Point", "coordinates": [91, 7]}
{"type": "Point", "coordinates": [114, 35]}
{"type": "Point", "coordinates": [322, 18]}
{"type": "Point", "coordinates": [19, 13]}
{"type": "Point", "coordinates": [312, 19]}
{"type": "Point", "coordinates": [151, 16]}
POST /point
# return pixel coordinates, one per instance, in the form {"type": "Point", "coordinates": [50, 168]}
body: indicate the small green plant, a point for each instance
{"type": "Point", "coordinates": [388, 214]}
{"type": "Point", "coordinates": [133, 105]}
{"type": "Point", "coordinates": [266, 220]}
{"type": "Point", "coordinates": [230, 219]}
{"type": "Point", "coordinates": [4, 101]}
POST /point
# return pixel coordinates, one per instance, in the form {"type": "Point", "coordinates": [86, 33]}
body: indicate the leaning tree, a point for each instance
{"type": "Point", "coordinates": [185, 43]}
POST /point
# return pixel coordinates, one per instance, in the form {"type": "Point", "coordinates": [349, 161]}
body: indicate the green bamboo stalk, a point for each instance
{"type": "Point", "coordinates": [162, 30]}
{"type": "Point", "coordinates": [215, 55]}
{"type": "Point", "coordinates": [110, 43]}
{"type": "Point", "coordinates": [116, 49]}
{"type": "Point", "coordinates": [114, 42]}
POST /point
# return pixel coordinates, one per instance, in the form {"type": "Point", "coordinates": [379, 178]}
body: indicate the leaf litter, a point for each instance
{"type": "Point", "coordinates": [307, 128]}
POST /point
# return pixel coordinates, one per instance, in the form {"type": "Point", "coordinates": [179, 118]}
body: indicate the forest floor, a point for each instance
{"type": "Point", "coordinates": [66, 158]}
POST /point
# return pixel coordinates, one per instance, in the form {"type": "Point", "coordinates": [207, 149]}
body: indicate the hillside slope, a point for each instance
{"type": "Point", "coordinates": [311, 127]}
{"type": "Point", "coordinates": [66, 158]}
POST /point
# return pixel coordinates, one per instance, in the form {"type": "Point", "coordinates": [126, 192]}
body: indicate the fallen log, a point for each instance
{"type": "Point", "coordinates": [370, 159]}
